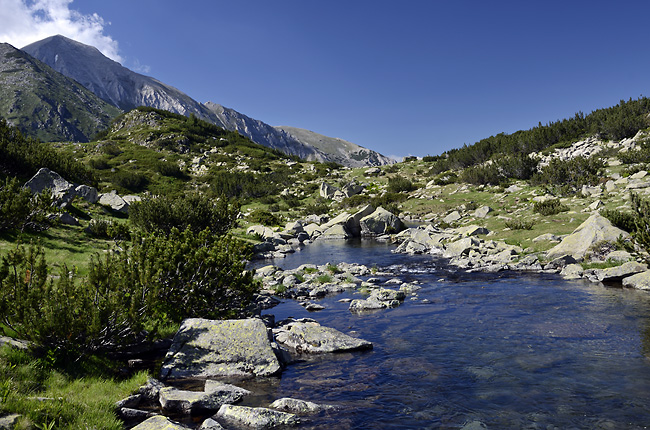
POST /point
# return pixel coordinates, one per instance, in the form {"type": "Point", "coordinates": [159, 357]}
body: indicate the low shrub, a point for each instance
{"type": "Point", "coordinates": [22, 210]}
{"type": "Point", "coordinates": [168, 168]}
{"type": "Point", "coordinates": [318, 208]}
{"type": "Point", "coordinates": [549, 207]}
{"type": "Point", "coordinates": [108, 229]}
{"type": "Point", "coordinates": [194, 211]}
{"type": "Point", "coordinates": [130, 180]}
{"type": "Point", "coordinates": [517, 224]}
{"type": "Point", "coordinates": [398, 185]}
{"type": "Point", "coordinates": [623, 220]}
{"type": "Point", "coordinates": [260, 216]}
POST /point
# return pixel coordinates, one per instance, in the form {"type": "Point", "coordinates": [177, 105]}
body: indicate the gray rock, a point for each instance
{"type": "Point", "coordinates": [67, 219]}
{"type": "Point", "coordinates": [613, 274]}
{"type": "Point", "coordinates": [9, 421]}
{"type": "Point", "coordinates": [472, 230]}
{"type": "Point", "coordinates": [572, 271]}
{"type": "Point", "coordinates": [460, 247]}
{"type": "Point", "coordinates": [594, 230]}
{"type": "Point", "coordinates": [214, 395]}
{"type": "Point", "coordinates": [351, 189]}
{"type": "Point", "coordinates": [87, 193]}
{"type": "Point", "coordinates": [299, 407]}
{"type": "Point", "coordinates": [373, 171]}
{"type": "Point", "coordinates": [338, 231]}
{"type": "Point", "coordinates": [380, 222]}
{"type": "Point", "coordinates": [482, 212]}
{"type": "Point", "coordinates": [210, 424]}
{"type": "Point", "coordinates": [547, 237]}
{"type": "Point", "coordinates": [640, 281]}
{"type": "Point", "coordinates": [207, 348]}
{"type": "Point", "coordinates": [307, 336]}
{"type": "Point", "coordinates": [151, 390]}
{"type": "Point", "coordinates": [134, 414]}
{"type": "Point", "coordinates": [46, 179]}
{"type": "Point", "coordinates": [327, 191]}
{"type": "Point", "coordinates": [257, 418]}
{"type": "Point", "coordinates": [454, 216]}
{"type": "Point", "coordinates": [159, 422]}
{"type": "Point", "coordinates": [114, 201]}
{"type": "Point", "coordinates": [129, 402]}
{"type": "Point", "coordinates": [560, 262]}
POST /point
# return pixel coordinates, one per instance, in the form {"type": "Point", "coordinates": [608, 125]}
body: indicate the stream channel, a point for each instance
{"type": "Point", "coordinates": [500, 351]}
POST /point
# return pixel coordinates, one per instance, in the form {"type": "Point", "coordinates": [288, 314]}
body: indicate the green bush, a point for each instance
{"type": "Point", "coordinates": [157, 281]}
{"type": "Point", "coordinates": [99, 163]}
{"type": "Point", "coordinates": [168, 168]}
{"type": "Point", "coordinates": [549, 207]}
{"type": "Point", "coordinates": [318, 208]}
{"type": "Point", "coordinates": [194, 211]}
{"type": "Point", "coordinates": [21, 210]}
{"type": "Point", "coordinates": [398, 184]}
{"type": "Point", "coordinates": [517, 224]}
{"type": "Point", "coordinates": [130, 180]}
{"type": "Point", "coordinates": [260, 216]}
{"type": "Point", "coordinates": [108, 229]}
{"type": "Point", "coordinates": [623, 220]}
{"type": "Point", "coordinates": [572, 173]}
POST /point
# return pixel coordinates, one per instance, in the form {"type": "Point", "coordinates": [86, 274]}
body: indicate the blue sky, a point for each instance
{"type": "Point", "coordinates": [403, 78]}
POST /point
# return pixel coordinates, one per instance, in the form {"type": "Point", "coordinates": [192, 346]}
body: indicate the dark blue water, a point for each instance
{"type": "Point", "coordinates": [506, 350]}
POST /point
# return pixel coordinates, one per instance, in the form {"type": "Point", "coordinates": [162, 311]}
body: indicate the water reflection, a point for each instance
{"type": "Point", "coordinates": [506, 350]}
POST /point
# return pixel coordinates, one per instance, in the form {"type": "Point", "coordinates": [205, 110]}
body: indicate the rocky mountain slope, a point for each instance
{"type": "Point", "coordinates": [110, 80]}
{"type": "Point", "coordinates": [264, 134]}
{"type": "Point", "coordinates": [339, 150]}
{"type": "Point", "coordinates": [126, 89]}
{"type": "Point", "coordinates": [46, 104]}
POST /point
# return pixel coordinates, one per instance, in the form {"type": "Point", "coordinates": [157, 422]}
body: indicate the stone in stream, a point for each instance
{"type": "Point", "coordinates": [299, 407]}
{"type": "Point", "coordinates": [159, 422]}
{"type": "Point", "coordinates": [211, 398]}
{"type": "Point", "coordinates": [307, 336]}
{"type": "Point", "coordinates": [257, 418]}
{"type": "Point", "coordinates": [208, 349]}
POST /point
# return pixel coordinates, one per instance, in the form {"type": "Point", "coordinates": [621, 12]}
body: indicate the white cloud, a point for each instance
{"type": "Point", "coordinates": [26, 21]}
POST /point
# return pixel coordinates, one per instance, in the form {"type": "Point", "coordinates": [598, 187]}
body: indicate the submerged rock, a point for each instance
{"type": "Point", "coordinates": [207, 348]}
{"type": "Point", "coordinates": [300, 407]}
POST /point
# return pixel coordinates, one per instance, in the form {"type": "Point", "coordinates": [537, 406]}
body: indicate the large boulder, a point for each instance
{"type": "Point", "coordinates": [211, 398]}
{"type": "Point", "coordinates": [114, 201]}
{"type": "Point", "coordinates": [307, 336]}
{"type": "Point", "coordinates": [380, 222]}
{"type": "Point", "coordinates": [46, 179]}
{"type": "Point", "coordinates": [257, 418]}
{"type": "Point", "coordinates": [594, 230]}
{"type": "Point", "coordinates": [230, 348]}
{"type": "Point", "coordinates": [640, 281]}
{"type": "Point", "coordinates": [615, 274]}
{"type": "Point", "coordinates": [299, 407]}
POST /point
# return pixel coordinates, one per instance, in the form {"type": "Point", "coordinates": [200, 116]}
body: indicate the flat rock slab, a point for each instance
{"type": "Point", "coordinates": [190, 402]}
{"type": "Point", "coordinates": [639, 281]}
{"type": "Point", "coordinates": [230, 348]}
{"type": "Point", "coordinates": [256, 418]}
{"type": "Point", "coordinates": [159, 423]}
{"type": "Point", "coordinates": [306, 336]}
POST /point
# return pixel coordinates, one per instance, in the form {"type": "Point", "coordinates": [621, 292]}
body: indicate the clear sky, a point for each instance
{"type": "Point", "coordinates": [413, 77]}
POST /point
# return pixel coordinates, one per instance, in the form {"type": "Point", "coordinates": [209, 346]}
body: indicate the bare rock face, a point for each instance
{"type": "Point", "coordinates": [595, 229]}
{"type": "Point", "coordinates": [229, 348]}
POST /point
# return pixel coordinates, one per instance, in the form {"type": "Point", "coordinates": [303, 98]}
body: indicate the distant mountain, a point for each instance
{"type": "Point", "coordinates": [110, 80]}
{"type": "Point", "coordinates": [338, 150]}
{"type": "Point", "coordinates": [45, 104]}
{"type": "Point", "coordinates": [126, 89]}
{"type": "Point", "coordinates": [259, 132]}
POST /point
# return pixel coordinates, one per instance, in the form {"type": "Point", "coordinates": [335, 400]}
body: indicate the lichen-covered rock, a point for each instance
{"type": "Point", "coordinates": [257, 418]}
{"type": "Point", "coordinates": [210, 424]}
{"type": "Point", "coordinates": [207, 348]}
{"type": "Point", "coordinates": [297, 406]}
{"type": "Point", "coordinates": [594, 230]}
{"type": "Point", "coordinates": [159, 422]}
{"type": "Point", "coordinates": [307, 336]}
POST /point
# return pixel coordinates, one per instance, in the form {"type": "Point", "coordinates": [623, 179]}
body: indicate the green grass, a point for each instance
{"type": "Point", "coordinates": [80, 397]}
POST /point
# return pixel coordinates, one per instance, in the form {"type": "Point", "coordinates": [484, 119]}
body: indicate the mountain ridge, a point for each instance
{"type": "Point", "coordinates": [126, 90]}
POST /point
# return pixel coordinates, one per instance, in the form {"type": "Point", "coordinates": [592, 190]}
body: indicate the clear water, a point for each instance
{"type": "Point", "coordinates": [506, 350]}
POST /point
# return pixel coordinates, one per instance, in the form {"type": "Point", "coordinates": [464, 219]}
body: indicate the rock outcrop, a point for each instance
{"type": "Point", "coordinates": [594, 230]}
{"type": "Point", "coordinates": [230, 348]}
